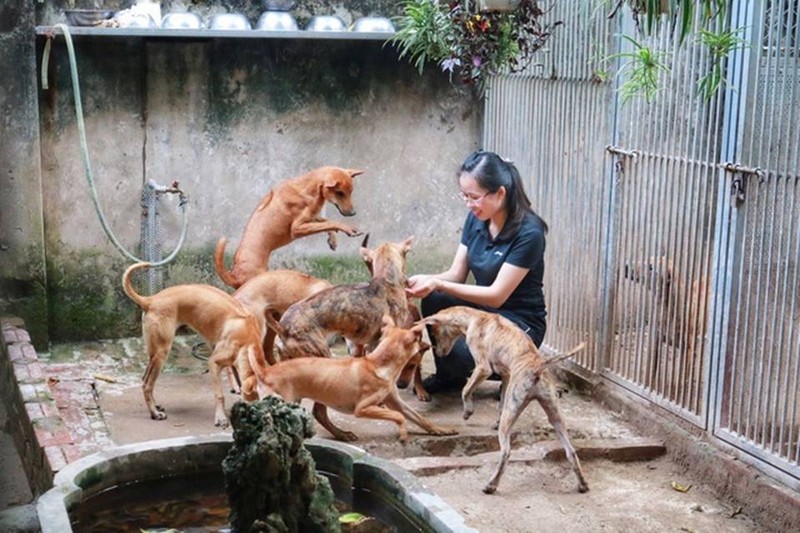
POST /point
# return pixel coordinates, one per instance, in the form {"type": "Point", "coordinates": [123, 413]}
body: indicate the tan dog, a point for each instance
{"type": "Point", "coordinates": [680, 313]}
{"type": "Point", "coordinates": [352, 310]}
{"type": "Point", "coordinates": [362, 386]}
{"type": "Point", "coordinates": [289, 212]}
{"type": "Point", "coordinates": [272, 293]}
{"type": "Point", "coordinates": [216, 316]}
{"type": "Point", "coordinates": [500, 346]}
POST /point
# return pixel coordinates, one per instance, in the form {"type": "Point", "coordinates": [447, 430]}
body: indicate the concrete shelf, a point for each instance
{"type": "Point", "coordinates": [86, 31]}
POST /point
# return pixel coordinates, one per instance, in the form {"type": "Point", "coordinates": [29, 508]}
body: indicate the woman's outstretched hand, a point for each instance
{"type": "Point", "coordinates": [421, 285]}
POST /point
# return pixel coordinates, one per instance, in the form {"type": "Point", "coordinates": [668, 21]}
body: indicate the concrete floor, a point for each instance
{"type": "Point", "coordinates": [634, 485]}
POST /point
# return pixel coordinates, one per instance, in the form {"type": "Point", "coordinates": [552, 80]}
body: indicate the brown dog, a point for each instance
{"type": "Point", "coordinates": [216, 316]}
{"type": "Point", "coordinates": [499, 346]}
{"type": "Point", "coordinates": [362, 386]}
{"type": "Point", "coordinates": [352, 310]}
{"type": "Point", "coordinates": [288, 212]}
{"type": "Point", "coordinates": [272, 293]}
{"type": "Point", "coordinates": [680, 313]}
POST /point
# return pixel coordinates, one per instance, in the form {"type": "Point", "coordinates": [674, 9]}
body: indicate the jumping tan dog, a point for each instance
{"type": "Point", "coordinates": [680, 314]}
{"type": "Point", "coordinates": [216, 316]}
{"type": "Point", "coordinates": [499, 346]}
{"type": "Point", "coordinates": [289, 212]}
{"type": "Point", "coordinates": [362, 386]}
{"type": "Point", "coordinates": [352, 310]}
{"type": "Point", "coordinates": [274, 292]}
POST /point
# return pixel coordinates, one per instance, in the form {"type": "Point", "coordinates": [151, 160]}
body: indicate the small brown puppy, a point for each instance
{"type": "Point", "coordinates": [362, 386]}
{"type": "Point", "coordinates": [500, 346]}
{"type": "Point", "coordinates": [288, 212]}
{"type": "Point", "coordinates": [217, 317]}
{"type": "Point", "coordinates": [273, 292]}
{"type": "Point", "coordinates": [352, 310]}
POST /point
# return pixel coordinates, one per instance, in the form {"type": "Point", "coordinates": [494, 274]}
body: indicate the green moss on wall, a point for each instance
{"type": "Point", "coordinates": [86, 300]}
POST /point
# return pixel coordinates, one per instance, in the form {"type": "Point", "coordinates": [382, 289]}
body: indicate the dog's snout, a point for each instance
{"type": "Point", "coordinates": [347, 212]}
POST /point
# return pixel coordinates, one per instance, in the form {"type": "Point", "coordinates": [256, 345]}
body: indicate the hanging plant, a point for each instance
{"type": "Point", "coordinates": [468, 42]}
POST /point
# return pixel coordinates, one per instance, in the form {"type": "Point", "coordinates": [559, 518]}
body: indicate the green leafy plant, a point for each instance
{"type": "Point", "coordinates": [643, 67]}
{"type": "Point", "coordinates": [673, 12]}
{"type": "Point", "coordinates": [719, 46]}
{"type": "Point", "coordinates": [471, 44]}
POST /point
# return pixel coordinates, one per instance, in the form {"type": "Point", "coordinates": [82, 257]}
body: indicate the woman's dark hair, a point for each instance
{"type": "Point", "coordinates": [492, 172]}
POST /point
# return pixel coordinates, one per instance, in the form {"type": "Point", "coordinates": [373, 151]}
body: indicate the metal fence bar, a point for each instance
{"type": "Point", "coordinates": [688, 283]}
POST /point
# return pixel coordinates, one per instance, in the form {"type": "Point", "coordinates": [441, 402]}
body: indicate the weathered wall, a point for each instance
{"type": "Point", "coordinates": [22, 272]}
{"type": "Point", "coordinates": [229, 119]}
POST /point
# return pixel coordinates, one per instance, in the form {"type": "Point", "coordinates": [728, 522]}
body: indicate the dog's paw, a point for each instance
{"type": "Point", "coordinates": [490, 489]}
{"type": "Point", "coordinates": [423, 397]}
{"type": "Point", "coordinates": [468, 413]}
{"type": "Point", "coordinates": [221, 422]}
{"type": "Point", "coordinates": [353, 232]}
{"type": "Point", "coordinates": [159, 415]}
{"type": "Point", "coordinates": [446, 431]}
{"type": "Point", "coordinates": [347, 436]}
{"type": "Point", "coordinates": [332, 242]}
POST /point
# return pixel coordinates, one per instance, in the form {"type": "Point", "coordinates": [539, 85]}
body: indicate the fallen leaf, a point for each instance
{"type": "Point", "coordinates": [736, 511]}
{"type": "Point", "coordinates": [351, 518]}
{"type": "Point", "coordinates": [107, 379]}
{"type": "Point", "coordinates": [680, 488]}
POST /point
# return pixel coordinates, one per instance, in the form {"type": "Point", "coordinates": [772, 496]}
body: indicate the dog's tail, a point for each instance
{"type": "Point", "coordinates": [560, 357]}
{"type": "Point", "coordinates": [219, 263]}
{"type": "Point", "coordinates": [127, 286]}
{"type": "Point", "coordinates": [274, 325]}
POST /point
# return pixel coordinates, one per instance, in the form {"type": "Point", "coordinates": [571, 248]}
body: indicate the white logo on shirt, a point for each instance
{"type": "Point", "coordinates": [498, 252]}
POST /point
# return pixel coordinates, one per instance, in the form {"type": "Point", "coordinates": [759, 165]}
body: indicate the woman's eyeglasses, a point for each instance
{"type": "Point", "coordinates": [472, 200]}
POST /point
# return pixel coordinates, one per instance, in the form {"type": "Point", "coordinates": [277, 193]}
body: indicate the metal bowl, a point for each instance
{"type": "Point", "coordinates": [326, 23]}
{"type": "Point", "coordinates": [87, 17]}
{"type": "Point", "coordinates": [229, 21]}
{"type": "Point", "coordinates": [183, 21]}
{"type": "Point", "coordinates": [374, 25]}
{"type": "Point", "coordinates": [276, 21]}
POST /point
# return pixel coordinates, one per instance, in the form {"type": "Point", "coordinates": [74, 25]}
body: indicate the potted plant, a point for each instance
{"type": "Point", "coordinates": [470, 42]}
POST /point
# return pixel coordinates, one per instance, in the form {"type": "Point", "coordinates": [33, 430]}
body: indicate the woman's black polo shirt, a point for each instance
{"type": "Point", "coordinates": [523, 248]}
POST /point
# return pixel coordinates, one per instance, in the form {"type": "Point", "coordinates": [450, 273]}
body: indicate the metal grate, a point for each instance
{"type": "Point", "coordinates": [151, 236]}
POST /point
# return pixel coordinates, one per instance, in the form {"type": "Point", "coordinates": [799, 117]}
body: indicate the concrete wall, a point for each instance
{"type": "Point", "coordinates": [230, 118]}
{"type": "Point", "coordinates": [22, 272]}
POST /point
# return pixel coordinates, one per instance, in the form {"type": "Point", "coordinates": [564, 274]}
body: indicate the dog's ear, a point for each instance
{"type": "Point", "coordinates": [428, 321]}
{"type": "Point", "coordinates": [353, 172]}
{"type": "Point", "coordinates": [418, 327]}
{"type": "Point", "coordinates": [367, 255]}
{"type": "Point", "coordinates": [405, 246]}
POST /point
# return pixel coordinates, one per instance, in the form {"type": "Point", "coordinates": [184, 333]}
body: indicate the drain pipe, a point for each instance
{"type": "Point", "coordinates": [183, 201]}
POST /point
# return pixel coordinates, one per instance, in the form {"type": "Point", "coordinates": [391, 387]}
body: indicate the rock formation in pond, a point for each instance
{"type": "Point", "coordinates": [270, 477]}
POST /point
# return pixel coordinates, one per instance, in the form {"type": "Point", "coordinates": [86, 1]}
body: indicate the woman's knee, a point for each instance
{"type": "Point", "coordinates": [435, 302]}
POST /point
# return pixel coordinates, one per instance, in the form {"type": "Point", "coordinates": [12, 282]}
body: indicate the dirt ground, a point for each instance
{"type": "Point", "coordinates": [536, 493]}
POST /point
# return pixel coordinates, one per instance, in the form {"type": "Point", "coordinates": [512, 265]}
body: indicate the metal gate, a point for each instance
{"type": "Point", "coordinates": [675, 236]}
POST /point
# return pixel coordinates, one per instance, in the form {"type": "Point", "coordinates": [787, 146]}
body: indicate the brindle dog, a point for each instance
{"type": "Point", "coordinates": [500, 346]}
{"type": "Point", "coordinates": [353, 310]}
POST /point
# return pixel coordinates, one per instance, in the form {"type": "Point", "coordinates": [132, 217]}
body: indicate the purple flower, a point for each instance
{"type": "Point", "coordinates": [450, 63]}
{"type": "Point", "coordinates": [476, 61]}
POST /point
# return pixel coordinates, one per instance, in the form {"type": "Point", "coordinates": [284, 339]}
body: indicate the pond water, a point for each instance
{"type": "Point", "coordinates": [198, 504]}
